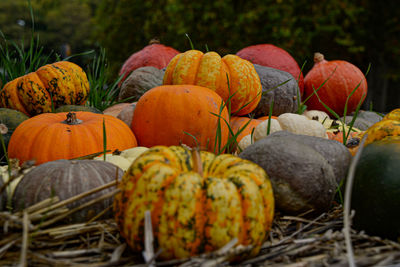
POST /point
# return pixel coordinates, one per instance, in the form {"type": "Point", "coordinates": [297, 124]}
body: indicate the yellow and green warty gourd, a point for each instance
{"type": "Point", "coordinates": [195, 208]}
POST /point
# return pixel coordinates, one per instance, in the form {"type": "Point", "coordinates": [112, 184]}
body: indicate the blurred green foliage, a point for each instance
{"type": "Point", "coordinates": [60, 25]}
{"type": "Point", "coordinates": [359, 31]}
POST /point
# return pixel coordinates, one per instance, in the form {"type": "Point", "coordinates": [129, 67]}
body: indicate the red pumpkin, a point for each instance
{"type": "Point", "coordinates": [174, 114]}
{"type": "Point", "coordinates": [53, 136]}
{"type": "Point", "coordinates": [275, 57]}
{"type": "Point", "coordinates": [341, 78]}
{"type": "Point", "coordinates": [155, 54]}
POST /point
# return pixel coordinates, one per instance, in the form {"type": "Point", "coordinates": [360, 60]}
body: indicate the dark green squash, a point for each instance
{"type": "Point", "coordinates": [68, 108]}
{"type": "Point", "coordinates": [376, 189]}
{"type": "Point", "coordinates": [11, 119]}
{"type": "Point", "coordinates": [279, 86]}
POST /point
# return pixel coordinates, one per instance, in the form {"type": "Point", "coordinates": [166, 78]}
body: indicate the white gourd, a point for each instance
{"type": "Point", "coordinates": [290, 122]}
{"type": "Point", "coordinates": [320, 116]}
{"type": "Point", "coordinates": [300, 124]}
{"type": "Point", "coordinates": [125, 159]}
{"type": "Point", "coordinates": [245, 142]}
{"type": "Point", "coordinates": [261, 130]}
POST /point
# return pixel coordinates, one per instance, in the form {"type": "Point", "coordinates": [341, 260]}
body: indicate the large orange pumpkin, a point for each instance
{"type": "Point", "coordinates": [52, 136]}
{"type": "Point", "coordinates": [341, 79]}
{"type": "Point", "coordinates": [174, 114]}
{"type": "Point", "coordinates": [57, 84]}
{"type": "Point", "coordinates": [227, 76]}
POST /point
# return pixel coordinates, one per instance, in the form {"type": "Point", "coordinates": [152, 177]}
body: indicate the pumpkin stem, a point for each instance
{"type": "Point", "coordinates": [197, 164]}
{"type": "Point", "coordinates": [155, 40]}
{"type": "Point", "coordinates": [71, 119]}
{"type": "Point", "coordinates": [318, 57]}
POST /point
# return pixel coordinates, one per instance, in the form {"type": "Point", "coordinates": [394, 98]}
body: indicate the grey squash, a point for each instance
{"type": "Point", "coordinates": [359, 123]}
{"type": "Point", "coordinates": [139, 82]}
{"type": "Point", "coordinates": [301, 177]}
{"type": "Point", "coordinates": [337, 155]}
{"type": "Point", "coordinates": [370, 116]}
{"type": "Point", "coordinates": [364, 120]}
{"type": "Point", "coordinates": [65, 179]}
{"type": "Point", "coordinates": [284, 95]}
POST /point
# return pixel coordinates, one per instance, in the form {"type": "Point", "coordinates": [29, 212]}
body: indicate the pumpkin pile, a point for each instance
{"type": "Point", "coordinates": [208, 145]}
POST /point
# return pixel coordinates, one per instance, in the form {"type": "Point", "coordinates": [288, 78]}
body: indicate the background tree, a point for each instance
{"type": "Point", "coordinates": [57, 23]}
{"type": "Point", "coordinates": [362, 32]}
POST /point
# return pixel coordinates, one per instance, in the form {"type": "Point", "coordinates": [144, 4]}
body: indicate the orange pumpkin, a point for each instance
{"type": "Point", "coordinates": [393, 115]}
{"type": "Point", "coordinates": [237, 123]}
{"type": "Point", "coordinates": [179, 114]}
{"type": "Point", "coordinates": [57, 84]}
{"type": "Point", "coordinates": [338, 135]}
{"type": "Point", "coordinates": [52, 136]}
{"type": "Point", "coordinates": [341, 78]}
{"type": "Point", "coordinates": [227, 76]}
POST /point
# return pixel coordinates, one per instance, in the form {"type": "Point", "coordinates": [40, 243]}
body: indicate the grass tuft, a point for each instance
{"type": "Point", "coordinates": [102, 94]}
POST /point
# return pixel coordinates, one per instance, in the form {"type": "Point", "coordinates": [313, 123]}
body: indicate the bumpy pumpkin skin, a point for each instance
{"type": "Point", "coordinates": [57, 84]}
{"type": "Point", "coordinates": [393, 115]}
{"type": "Point", "coordinates": [47, 137]}
{"type": "Point", "coordinates": [211, 71]}
{"type": "Point", "coordinates": [167, 114]}
{"type": "Point", "coordinates": [341, 79]}
{"type": "Point", "coordinates": [193, 213]}
{"type": "Point", "coordinates": [382, 129]}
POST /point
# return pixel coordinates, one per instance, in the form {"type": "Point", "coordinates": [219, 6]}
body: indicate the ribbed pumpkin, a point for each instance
{"type": "Point", "coordinates": [155, 54]}
{"type": "Point", "coordinates": [269, 55]}
{"type": "Point", "coordinates": [174, 114]}
{"type": "Point", "coordinates": [393, 115]}
{"type": "Point", "coordinates": [52, 136]}
{"type": "Point", "coordinates": [65, 179]}
{"type": "Point", "coordinates": [381, 130]}
{"type": "Point", "coordinates": [195, 207]}
{"type": "Point", "coordinates": [57, 84]}
{"type": "Point", "coordinates": [341, 78]}
{"type": "Point", "coordinates": [211, 71]}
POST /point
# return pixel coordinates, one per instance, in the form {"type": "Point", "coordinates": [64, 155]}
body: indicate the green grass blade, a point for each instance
{"type": "Point", "coordinates": [104, 140]}
{"type": "Point", "coordinates": [190, 41]}
{"type": "Point", "coordinates": [271, 107]}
